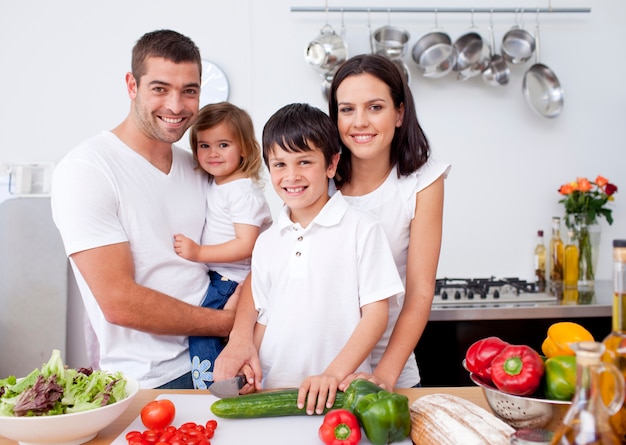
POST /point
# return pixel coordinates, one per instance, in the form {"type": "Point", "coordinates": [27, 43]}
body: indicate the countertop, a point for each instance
{"type": "Point", "coordinates": [596, 302]}
{"type": "Point", "coordinates": [106, 436]}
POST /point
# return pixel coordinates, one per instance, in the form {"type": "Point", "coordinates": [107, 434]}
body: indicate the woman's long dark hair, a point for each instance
{"type": "Point", "coordinates": [409, 147]}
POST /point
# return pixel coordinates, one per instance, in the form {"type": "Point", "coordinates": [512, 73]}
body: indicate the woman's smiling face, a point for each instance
{"type": "Point", "coordinates": [367, 117]}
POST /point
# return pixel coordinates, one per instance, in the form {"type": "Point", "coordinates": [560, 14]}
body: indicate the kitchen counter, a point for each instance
{"type": "Point", "coordinates": [597, 302]}
{"type": "Point", "coordinates": [109, 434]}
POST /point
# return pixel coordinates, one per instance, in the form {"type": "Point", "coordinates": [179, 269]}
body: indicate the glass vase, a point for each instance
{"type": "Point", "coordinates": [587, 233]}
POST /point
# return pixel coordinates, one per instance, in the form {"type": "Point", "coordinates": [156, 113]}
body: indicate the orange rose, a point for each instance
{"type": "Point", "coordinates": [601, 181]}
{"type": "Point", "coordinates": [584, 185]}
{"type": "Point", "coordinates": [566, 189]}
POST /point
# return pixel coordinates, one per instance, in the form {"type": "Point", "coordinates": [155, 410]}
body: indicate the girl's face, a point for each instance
{"type": "Point", "coordinates": [301, 181]}
{"type": "Point", "coordinates": [366, 116]}
{"type": "Point", "coordinates": [219, 154]}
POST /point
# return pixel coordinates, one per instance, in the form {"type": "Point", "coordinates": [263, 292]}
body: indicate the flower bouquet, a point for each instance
{"type": "Point", "coordinates": [584, 202]}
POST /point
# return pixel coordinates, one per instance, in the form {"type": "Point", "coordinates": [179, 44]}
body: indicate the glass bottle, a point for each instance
{"type": "Point", "coordinates": [615, 342]}
{"type": "Point", "coordinates": [540, 263]}
{"type": "Point", "coordinates": [570, 261]}
{"type": "Point", "coordinates": [587, 420]}
{"type": "Point", "coordinates": [556, 258]}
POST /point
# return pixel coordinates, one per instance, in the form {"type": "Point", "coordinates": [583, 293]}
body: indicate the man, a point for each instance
{"type": "Point", "coordinates": [118, 199]}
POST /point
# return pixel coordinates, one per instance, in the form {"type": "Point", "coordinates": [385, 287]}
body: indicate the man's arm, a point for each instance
{"type": "Point", "coordinates": [109, 271]}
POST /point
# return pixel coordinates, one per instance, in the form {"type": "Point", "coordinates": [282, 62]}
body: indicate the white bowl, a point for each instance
{"type": "Point", "coordinates": [523, 411]}
{"type": "Point", "coordinates": [67, 429]}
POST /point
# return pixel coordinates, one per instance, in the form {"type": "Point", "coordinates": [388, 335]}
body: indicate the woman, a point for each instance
{"type": "Point", "coordinates": [385, 167]}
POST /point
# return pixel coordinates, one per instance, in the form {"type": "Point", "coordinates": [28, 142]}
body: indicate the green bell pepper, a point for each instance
{"type": "Point", "coordinates": [560, 383]}
{"type": "Point", "coordinates": [384, 415]}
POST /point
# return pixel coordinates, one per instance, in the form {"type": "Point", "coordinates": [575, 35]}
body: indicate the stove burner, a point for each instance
{"type": "Point", "coordinates": [479, 290]}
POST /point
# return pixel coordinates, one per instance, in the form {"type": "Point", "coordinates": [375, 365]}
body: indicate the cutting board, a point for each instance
{"type": "Point", "coordinates": [301, 430]}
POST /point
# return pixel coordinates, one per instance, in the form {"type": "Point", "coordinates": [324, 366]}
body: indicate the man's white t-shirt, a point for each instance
{"type": "Point", "coordinates": [105, 193]}
{"type": "Point", "coordinates": [309, 285]}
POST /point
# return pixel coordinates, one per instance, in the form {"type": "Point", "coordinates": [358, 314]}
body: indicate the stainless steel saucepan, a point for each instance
{"type": "Point", "coordinates": [471, 58]}
{"type": "Point", "coordinates": [390, 41]}
{"type": "Point", "coordinates": [518, 45]}
{"type": "Point", "coordinates": [434, 53]}
{"type": "Point", "coordinates": [327, 51]}
{"type": "Point", "coordinates": [542, 89]}
{"type": "Point", "coordinates": [497, 71]}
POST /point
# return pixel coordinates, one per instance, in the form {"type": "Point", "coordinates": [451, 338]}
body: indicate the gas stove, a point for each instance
{"type": "Point", "coordinates": [487, 292]}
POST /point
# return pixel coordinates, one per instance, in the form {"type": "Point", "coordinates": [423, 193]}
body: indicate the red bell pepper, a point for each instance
{"type": "Point", "coordinates": [479, 356]}
{"type": "Point", "coordinates": [517, 370]}
{"type": "Point", "coordinates": [340, 427]}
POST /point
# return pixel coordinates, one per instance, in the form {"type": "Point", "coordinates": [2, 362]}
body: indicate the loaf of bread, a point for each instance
{"type": "Point", "coordinates": [444, 419]}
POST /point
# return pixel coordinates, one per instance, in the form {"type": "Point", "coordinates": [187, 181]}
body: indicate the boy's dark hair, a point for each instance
{"type": "Point", "coordinates": [165, 43]}
{"type": "Point", "coordinates": [409, 147]}
{"type": "Point", "coordinates": [296, 127]}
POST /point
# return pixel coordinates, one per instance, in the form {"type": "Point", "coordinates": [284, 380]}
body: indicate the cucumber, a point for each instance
{"type": "Point", "coordinates": [265, 404]}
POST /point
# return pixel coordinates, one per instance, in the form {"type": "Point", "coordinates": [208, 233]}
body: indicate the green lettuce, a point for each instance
{"type": "Point", "coordinates": [55, 389]}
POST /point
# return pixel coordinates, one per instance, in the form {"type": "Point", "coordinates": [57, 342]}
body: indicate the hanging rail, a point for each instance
{"type": "Point", "coordinates": [437, 10]}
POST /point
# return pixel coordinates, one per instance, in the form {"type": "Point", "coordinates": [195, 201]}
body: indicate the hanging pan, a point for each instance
{"type": "Point", "coordinates": [542, 89]}
{"type": "Point", "coordinates": [434, 53]}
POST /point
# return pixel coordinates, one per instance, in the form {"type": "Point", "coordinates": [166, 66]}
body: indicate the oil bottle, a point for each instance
{"type": "Point", "coordinates": [570, 261]}
{"type": "Point", "coordinates": [587, 420]}
{"type": "Point", "coordinates": [540, 263]}
{"type": "Point", "coordinates": [615, 342]}
{"type": "Point", "coordinates": [556, 259]}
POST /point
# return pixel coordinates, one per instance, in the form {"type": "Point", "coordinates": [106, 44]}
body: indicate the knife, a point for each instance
{"type": "Point", "coordinates": [229, 387]}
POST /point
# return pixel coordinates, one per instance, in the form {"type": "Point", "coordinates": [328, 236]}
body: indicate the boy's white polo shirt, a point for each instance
{"type": "Point", "coordinates": [310, 283]}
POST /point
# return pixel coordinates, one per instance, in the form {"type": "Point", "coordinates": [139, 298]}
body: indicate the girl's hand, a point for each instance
{"type": "Point", "coordinates": [319, 392]}
{"type": "Point", "coordinates": [186, 247]}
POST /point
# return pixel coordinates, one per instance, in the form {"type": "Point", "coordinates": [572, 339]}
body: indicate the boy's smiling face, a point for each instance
{"type": "Point", "coordinates": [301, 180]}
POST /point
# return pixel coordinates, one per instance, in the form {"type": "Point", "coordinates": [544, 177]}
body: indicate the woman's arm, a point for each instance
{"type": "Point", "coordinates": [321, 389]}
{"type": "Point", "coordinates": [423, 258]}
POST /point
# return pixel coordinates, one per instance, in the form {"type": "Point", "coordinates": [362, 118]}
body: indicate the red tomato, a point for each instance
{"type": "Point", "coordinates": [158, 414]}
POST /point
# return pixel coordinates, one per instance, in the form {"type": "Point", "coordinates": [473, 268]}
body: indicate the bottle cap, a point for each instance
{"type": "Point", "coordinates": [540, 232]}
{"type": "Point", "coordinates": [619, 243]}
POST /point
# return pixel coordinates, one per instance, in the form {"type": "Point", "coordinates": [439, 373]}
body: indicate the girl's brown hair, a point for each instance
{"type": "Point", "coordinates": [242, 128]}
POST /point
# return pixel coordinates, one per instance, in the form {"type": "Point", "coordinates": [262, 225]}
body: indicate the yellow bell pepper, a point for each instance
{"type": "Point", "coordinates": [560, 335]}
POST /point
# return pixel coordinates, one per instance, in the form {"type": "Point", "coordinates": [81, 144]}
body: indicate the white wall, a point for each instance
{"type": "Point", "coordinates": [62, 77]}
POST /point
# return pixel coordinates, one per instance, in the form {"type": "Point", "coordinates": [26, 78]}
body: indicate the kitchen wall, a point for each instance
{"type": "Point", "coordinates": [62, 77]}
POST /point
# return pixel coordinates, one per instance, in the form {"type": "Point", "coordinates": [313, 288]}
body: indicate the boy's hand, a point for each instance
{"type": "Point", "coordinates": [186, 247]}
{"type": "Point", "coordinates": [318, 392]}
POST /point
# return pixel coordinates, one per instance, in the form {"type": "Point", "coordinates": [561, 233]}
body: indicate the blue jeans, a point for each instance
{"type": "Point", "coordinates": [204, 350]}
{"type": "Point", "coordinates": [182, 382]}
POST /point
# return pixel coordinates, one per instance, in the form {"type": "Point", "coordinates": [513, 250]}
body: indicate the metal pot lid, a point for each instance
{"type": "Point", "coordinates": [214, 85]}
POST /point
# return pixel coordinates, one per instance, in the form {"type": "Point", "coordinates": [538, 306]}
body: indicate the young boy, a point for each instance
{"type": "Point", "coordinates": [322, 274]}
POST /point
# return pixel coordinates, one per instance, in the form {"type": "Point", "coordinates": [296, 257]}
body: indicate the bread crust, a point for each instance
{"type": "Point", "coordinates": [444, 419]}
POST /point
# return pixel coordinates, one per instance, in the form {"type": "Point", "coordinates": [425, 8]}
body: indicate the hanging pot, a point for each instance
{"type": "Point", "coordinates": [541, 88]}
{"type": "Point", "coordinates": [327, 51]}
{"type": "Point", "coordinates": [497, 71]}
{"type": "Point", "coordinates": [434, 54]}
{"type": "Point", "coordinates": [390, 41]}
{"type": "Point", "coordinates": [518, 45]}
{"type": "Point", "coordinates": [470, 56]}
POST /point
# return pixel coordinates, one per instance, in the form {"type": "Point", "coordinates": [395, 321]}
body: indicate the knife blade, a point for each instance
{"type": "Point", "coordinates": [229, 387]}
